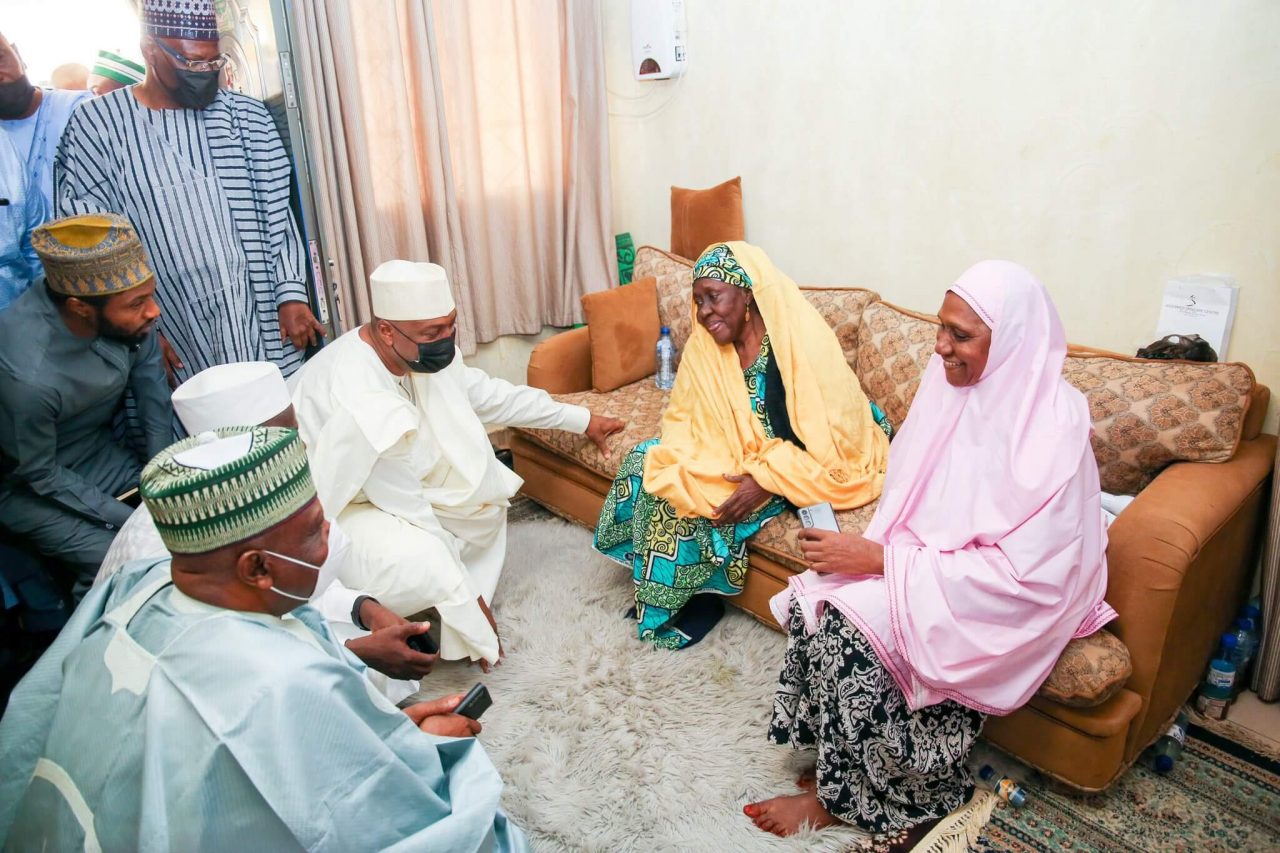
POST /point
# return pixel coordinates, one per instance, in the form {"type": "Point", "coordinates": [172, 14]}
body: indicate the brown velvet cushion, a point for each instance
{"type": "Point", "coordinates": [623, 324]}
{"type": "Point", "coordinates": [702, 217]}
{"type": "Point", "coordinates": [1089, 671]}
{"type": "Point", "coordinates": [1147, 414]}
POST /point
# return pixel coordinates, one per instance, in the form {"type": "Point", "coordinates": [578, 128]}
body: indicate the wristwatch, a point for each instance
{"type": "Point", "coordinates": [355, 610]}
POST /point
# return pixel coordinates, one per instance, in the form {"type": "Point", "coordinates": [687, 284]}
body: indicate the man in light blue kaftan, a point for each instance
{"type": "Point", "coordinates": [21, 211]}
{"type": "Point", "coordinates": [33, 119]}
{"type": "Point", "coordinates": [161, 721]}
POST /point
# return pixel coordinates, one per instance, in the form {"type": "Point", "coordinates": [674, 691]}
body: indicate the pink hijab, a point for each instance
{"type": "Point", "coordinates": [991, 521]}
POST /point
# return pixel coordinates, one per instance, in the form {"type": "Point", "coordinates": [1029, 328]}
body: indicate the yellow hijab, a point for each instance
{"type": "Point", "coordinates": [709, 428]}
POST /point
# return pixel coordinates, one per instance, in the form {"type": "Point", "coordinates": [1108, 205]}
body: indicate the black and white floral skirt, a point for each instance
{"type": "Point", "coordinates": [881, 767]}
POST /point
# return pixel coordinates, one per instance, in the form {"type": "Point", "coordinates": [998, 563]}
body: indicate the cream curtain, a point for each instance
{"type": "Point", "coordinates": [1266, 667]}
{"type": "Point", "coordinates": [472, 134]}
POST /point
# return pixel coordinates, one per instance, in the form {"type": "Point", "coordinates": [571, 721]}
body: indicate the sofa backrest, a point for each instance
{"type": "Point", "coordinates": [1146, 414]}
{"type": "Point", "coordinates": [841, 307]}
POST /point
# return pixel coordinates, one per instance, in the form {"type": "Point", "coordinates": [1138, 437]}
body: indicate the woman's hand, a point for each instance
{"type": "Point", "coordinates": [748, 496]}
{"type": "Point", "coordinates": [841, 553]}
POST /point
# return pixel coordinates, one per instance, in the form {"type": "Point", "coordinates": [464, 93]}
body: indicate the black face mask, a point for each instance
{"type": "Point", "coordinates": [15, 97]}
{"type": "Point", "coordinates": [433, 357]}
{"type": "Point", "coordinates": [196, 89]}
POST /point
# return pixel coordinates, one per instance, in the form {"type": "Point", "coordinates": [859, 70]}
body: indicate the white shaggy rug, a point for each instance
{"type": "Point", "coordinates": [607, 744]}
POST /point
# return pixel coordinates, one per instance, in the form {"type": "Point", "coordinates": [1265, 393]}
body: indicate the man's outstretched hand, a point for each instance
{"type": "Point", "coordinates": [600, 428]}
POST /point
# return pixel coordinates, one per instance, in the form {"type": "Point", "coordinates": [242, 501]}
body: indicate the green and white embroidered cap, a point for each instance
{"type": "Point", "coordinates": [115, 67]}
{"type": "Point", "coordinates": [225, 486]}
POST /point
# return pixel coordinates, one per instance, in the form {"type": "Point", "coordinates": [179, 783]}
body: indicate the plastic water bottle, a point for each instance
{"type": "Point", "coordinates": [1003, 787]}
{"type": "Point", "coordinates": [1164, 752]}
{"type": "Point", "coordinates": [1246, 633]}
{"type": "Point", "coordinates": [1215, 692]}
{"type": "Point", "coordinates": [666, 375]}
{"type": "Point", "coordinates": [1253, 610]}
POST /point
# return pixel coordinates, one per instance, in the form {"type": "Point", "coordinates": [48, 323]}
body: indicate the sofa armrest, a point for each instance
{"type": "Point", "coordinates": [562, 363]}
{"type": "Point", "coordinates": [1178, 559]}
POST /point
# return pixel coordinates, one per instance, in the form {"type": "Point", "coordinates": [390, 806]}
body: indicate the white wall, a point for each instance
{"type": "Point", "coordinates": [508, 356]}
{"type": "Point", "coordinates": [1105, 145]}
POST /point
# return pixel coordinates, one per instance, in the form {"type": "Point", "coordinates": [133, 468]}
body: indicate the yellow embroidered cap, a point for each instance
{"type": "Point", "coordinates": [96, 254]}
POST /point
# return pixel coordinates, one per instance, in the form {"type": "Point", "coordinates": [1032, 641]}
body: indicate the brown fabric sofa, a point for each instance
{"type": "Point", "coordinates": [1185, 438]}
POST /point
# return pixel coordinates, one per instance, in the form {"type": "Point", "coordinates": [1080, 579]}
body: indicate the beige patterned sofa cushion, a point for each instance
{"type": "Point", "coordinates": [894, 346]}
{"type": "Point", "coordinates": [1147, 414]}
{"type": "Point", "coordinates": [842, 308]}
{"type": "Point", "coordinates": [675, 284]}
{"type": "Point", "coordinates": [640, 404]}
{"type": "Point", "coordinates": [1089, 671]}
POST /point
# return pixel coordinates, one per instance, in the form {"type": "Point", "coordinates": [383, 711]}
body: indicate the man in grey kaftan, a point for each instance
{"type": "Point", "coordinates": [60, 385]}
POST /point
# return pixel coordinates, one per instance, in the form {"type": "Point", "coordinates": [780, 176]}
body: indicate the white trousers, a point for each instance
{"type": "Point", "coordinates": [409, 569]}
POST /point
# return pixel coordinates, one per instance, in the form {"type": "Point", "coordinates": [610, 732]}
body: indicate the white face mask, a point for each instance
{"type": "Point", "coordinates": [339, 549]}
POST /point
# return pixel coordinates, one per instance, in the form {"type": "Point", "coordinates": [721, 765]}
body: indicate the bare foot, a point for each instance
{"type": "Point", "coordinates": [788, 815]}
{"type": "Point", "coordinates": [808, 779]}
{"type": "Point", "coordinates": [488, 614]}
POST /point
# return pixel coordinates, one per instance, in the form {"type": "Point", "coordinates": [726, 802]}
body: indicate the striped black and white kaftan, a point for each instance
{"type": "Point", "coordinates": [208, 192]}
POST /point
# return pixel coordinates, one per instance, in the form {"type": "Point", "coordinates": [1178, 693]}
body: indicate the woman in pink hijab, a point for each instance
{"type": "Point", "coordinates": [987, 554]}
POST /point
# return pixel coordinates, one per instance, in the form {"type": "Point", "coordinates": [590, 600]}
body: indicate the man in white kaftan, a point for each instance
{"type": "Point", "coordinates": [394, 421]}
{"type": "Point", "coordinates": [254, 393]}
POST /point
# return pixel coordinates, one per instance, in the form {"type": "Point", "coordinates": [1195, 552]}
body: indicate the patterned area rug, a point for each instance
{"type": "Point", "coordinates": [1221, 795]}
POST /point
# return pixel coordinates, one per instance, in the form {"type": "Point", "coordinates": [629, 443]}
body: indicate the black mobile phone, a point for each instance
{"type": "Point", "coordinates": [422, 643]}
{"type": "Point", "coordinates": [475, 703]}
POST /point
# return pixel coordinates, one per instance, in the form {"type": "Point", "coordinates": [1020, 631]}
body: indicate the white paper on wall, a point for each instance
{"type": "Point", "coordinates": [1203, 305]}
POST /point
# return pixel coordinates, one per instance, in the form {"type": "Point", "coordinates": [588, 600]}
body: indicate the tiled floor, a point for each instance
{"type": "Point", "coordinates": [1260, 717]}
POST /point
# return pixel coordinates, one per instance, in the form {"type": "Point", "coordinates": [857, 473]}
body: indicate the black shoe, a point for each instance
{"type": "Point", "coordinates": [696, 619]}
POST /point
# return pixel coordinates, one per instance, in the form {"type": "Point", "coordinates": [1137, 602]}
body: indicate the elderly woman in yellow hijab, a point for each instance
{"type": "Point", "coordinates": [765, 415]}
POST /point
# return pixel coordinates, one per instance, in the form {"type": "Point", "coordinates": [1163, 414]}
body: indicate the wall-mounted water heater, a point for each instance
{"type": "Point", "coordinates": [658, 39]}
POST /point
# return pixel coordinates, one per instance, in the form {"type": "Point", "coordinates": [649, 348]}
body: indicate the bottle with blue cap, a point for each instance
{"type": "Point", "coordinates": [1245, 629]}
{"type": "Point", "coordinates": [1003, 787]}
{"type": "Point", "coordinates": [1164, 753]}
{"type": "Point", "coordinates": [1215, 691]}
{"type": "Point", "coordinates": [665, 377]}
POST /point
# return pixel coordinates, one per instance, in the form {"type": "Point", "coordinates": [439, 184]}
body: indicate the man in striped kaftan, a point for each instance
{"type": "Point", "coordinates": [203, 176]}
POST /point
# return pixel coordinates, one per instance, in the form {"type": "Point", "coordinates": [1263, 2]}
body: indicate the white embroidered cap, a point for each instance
{"type": "Point", "coordinates": [409, 290]}
{"type": "Point", "coordinates": [247, 393]}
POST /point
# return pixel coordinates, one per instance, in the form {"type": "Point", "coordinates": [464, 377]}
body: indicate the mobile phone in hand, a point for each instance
{"type": "Point", "coordinates": [422, 643]}
{"type": "Point", "coordinates": [820, 516]}
{"type": "Point", "coordinates": [475, 703]}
